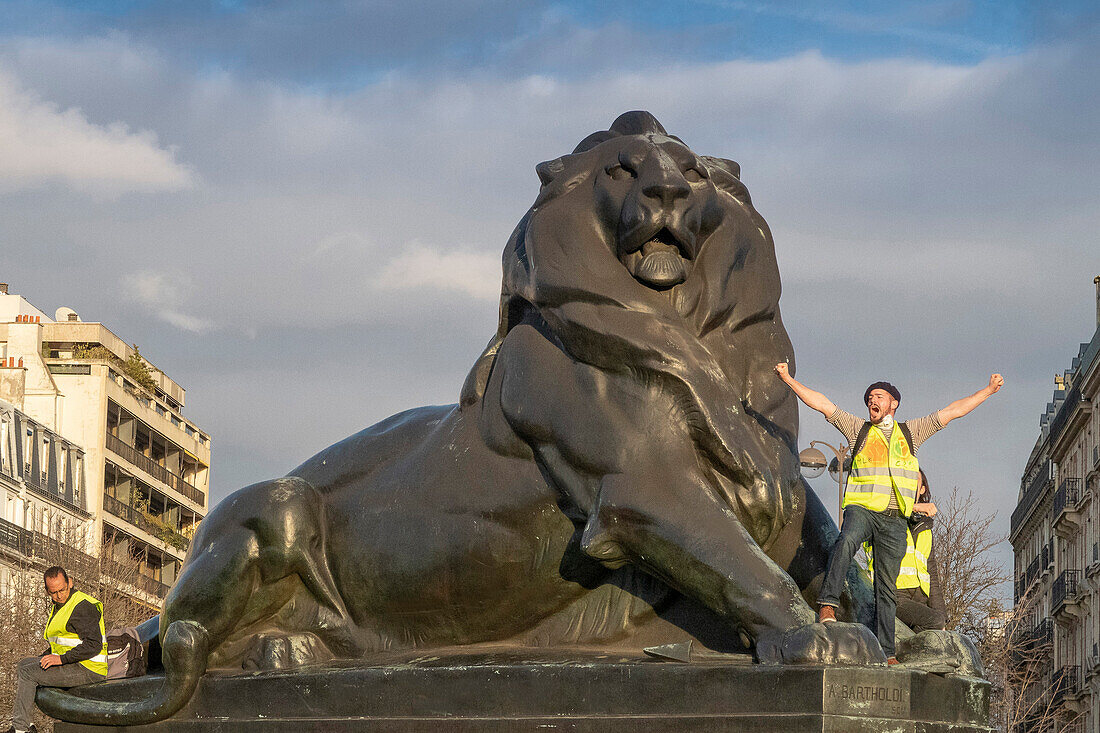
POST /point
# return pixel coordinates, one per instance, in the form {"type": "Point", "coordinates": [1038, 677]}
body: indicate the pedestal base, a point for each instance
{"type": "Point", "coordinates": [584, 693]}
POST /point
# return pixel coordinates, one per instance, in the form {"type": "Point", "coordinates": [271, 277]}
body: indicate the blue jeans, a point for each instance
{"type": "Point", "coordinates": [886, 533]}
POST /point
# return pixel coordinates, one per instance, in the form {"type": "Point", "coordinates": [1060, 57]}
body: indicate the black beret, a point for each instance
{"type": "Point", "coordinates": [885, 387]}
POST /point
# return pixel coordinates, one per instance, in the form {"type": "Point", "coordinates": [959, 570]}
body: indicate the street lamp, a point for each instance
{"type": "Point", "coordinates": [813, 463]}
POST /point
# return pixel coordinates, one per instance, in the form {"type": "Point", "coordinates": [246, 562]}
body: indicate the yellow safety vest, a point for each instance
{"type": "Point", "coordinates": [881, 469]}
{"type": "Point", "coordinates": [914, 566]}
{"type": "Point", "coordinates": [62, 640]}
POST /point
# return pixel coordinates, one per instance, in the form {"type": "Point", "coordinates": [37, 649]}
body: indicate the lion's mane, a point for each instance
{"type": "Point", "coordinates": [711, 341]}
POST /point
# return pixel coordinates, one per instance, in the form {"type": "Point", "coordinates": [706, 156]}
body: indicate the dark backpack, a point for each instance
{"type": "Point", "coordinates": [125, 654]}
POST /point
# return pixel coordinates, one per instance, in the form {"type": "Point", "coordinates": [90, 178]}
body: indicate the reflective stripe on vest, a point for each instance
{"type": "Point", "coordinates": [914, 566]}
{"type": "Point", "coordinates": [881, 469]}
{"type": "Point", "coordinates": [62, 640]}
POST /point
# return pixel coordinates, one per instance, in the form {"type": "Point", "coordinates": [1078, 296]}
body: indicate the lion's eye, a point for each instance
{"type": "Point", "coordinates": [619, 173]}
{"type": "Point", "coordinates": [691, 175]}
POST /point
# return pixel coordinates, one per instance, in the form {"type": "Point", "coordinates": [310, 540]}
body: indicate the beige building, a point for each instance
{"type": "Point", "coordinates": [1055, 534]}
{"type": "Point", "coordinates": [88, 442]}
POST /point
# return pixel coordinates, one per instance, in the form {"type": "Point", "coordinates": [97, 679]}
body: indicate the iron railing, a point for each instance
{"type": "Point", "coordinates": [1066, 681]}
{"type": "Point", "coordinates": [1032, 494]}
{"type": "Point", "coordinates": [33, 544]}
{"type": "Point", "coordinates": [1071, 403]}
{"type": "Point", "coordinates": [36, 545]}
{"type": "Point", "coordinates": [1064, 589]}
{"type": "Point", "coordinates": [59, 498]}
{"type": "Point", "coordinates": [154, 469]}
{"type": "Point", "coordinates": [139, 520]}
{"type": "Point", "coordinates": [1067, 496]}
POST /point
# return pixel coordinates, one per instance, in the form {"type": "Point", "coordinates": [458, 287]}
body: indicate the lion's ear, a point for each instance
{"type": "Point", "coordinates": [723, 164]}
{"type": "Point", "coordinates": [726, 175]}
{"type": "Point", "coordinates": [548, 169]}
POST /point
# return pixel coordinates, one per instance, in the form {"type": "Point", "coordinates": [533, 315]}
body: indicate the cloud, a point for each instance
{"type": "Point", "coordinates": [41, 144]}
{"type": "Point", "coordinates": [422, 267]}
{"type": "Point", "coordinates": [163, 296]}
{"type": "Point", "coordinates": [357, 234]}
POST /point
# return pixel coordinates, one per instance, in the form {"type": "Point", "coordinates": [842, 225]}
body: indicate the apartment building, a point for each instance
{"type": "Point", "coordinates": [102, 441]}
{"type": "Point", "coordinates": [1055, 535]}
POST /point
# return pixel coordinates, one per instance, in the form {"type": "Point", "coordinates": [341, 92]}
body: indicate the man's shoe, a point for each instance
{"type": "Point", "coordinates": [826, 614]}
{"type": "Point", "coordinates": [891, 661]}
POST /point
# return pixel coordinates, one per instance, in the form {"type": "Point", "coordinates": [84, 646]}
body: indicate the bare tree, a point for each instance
{"type": "Point", "coordinates": [1018, 653]}
{"type": "Point", "coordinates": [1016, 644]}
{"type": "Point", "coordinates": [969, 574]}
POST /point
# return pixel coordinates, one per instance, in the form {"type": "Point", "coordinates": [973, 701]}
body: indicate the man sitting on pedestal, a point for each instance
{"type": "Point", "coordinates": [77, 653]}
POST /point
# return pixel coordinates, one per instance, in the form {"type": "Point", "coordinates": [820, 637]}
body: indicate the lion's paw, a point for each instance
{"type": "Point", "coordinates": [285, 651]}
{"type": "Point", "coordinates": [941, 652]}
{"type": "Point", "coordinates": [834, 643]}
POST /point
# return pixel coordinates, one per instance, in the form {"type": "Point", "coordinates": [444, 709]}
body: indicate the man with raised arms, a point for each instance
{"type": "Point", "coordinates": [881, 488]}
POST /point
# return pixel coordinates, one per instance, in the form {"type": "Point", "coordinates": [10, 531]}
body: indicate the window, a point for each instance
{"type": "Point", "coordinates": [63, 467]}
{"type": "Point", "coordinates": [5, 449]}
{"type": "Point", "coordinates": [44, 459]}
{"type": "Point", "coordinates": [78, 478]}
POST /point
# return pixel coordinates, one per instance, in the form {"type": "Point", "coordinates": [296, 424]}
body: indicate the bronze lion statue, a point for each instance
{"type": "Point", "coordinates": [620, 470]}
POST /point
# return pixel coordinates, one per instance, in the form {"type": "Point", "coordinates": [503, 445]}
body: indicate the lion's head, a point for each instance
{"type": "Point", "coordinates": [641, 255]}
{"type": "Point", "coordinates": [657, 201]}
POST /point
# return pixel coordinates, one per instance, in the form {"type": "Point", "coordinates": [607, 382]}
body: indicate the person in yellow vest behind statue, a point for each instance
{"type": "Point", "coordinates": [880, 491]}
{"type": "Point", "coordinates": [77, 653]}
{"type": "Point", "coordinates": [920, 595]}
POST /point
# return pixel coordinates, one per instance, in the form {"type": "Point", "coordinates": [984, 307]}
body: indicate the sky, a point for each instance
{"type": "Point", "coordinates": [297, 209]}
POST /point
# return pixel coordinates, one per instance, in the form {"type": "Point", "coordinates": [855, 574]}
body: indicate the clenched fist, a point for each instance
{"type": "Point", "coordinates": [782, 369]}
{"type": "Point", "coordinates": [996, 381]}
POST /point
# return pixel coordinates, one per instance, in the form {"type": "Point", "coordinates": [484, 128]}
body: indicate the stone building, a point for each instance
{"type": "Point", "coordinates": [95, 448]}
{"type": "Point", "coordinates": [1055, 535]}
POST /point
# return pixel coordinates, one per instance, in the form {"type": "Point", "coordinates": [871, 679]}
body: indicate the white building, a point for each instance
{"type": "Point", "coordinates": [88, 444]}
{"type": "Point", "coordinates": [1055, 535]}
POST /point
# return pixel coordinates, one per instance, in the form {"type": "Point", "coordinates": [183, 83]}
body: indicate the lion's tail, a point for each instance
{"type": "Point", "coordinates": [183, 649]}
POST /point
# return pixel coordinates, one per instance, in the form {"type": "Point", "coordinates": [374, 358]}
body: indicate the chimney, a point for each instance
{"type": "Point", "coordinates": [74, 317]}
{"type": "Point", "coordinates": [3, 288]}
{"type": "Point", "coordinates": [1096, 282]}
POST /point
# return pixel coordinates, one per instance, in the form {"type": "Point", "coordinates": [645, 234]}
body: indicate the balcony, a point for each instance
{"type": "Point", "coordinates": [154, 469]}
{"type": "Point", "coordinates": [1072, 414]}
{"type": "Point", "coordinates": [40, 547]}
{"type": "Point", "coordinates": [1067, 520]}
{"type": "Point", "coordinates": [1032, 573]}
{"type": "Point", "coordinates": [145, 523]}
{"type": "Point", "coordinates": [1033, 495]}
{"type": "Point", "coordinates": [43, 551]}
{"type": "Point", "coordinates": [58, 497]}
{"type": "Point", "coordinates": [1065, 683]}
{"type": "Point", "coordinates": [1068, 694]}
{"type": "Point", "coordinates": [1065, 598]}
{"type": "Point", "coordinates": [1093, 566]}
{"type": "Point", "coordinates": [1032, 644]}
{"type": "Point", "coordinates": [142, 582]}
{"type": "Point", "coordinates": [1092, 662]}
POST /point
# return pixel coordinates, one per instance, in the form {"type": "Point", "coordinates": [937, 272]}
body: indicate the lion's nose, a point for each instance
{"type": "Point", "coordinates": [660, 179]}
{"type": "Point", "coordinates": [667, 190]}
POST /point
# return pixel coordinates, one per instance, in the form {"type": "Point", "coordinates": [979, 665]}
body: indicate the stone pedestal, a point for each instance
{"type": "Point", "coordinates": [587, 693]}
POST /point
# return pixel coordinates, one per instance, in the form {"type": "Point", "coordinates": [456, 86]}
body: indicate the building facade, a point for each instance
{"type": "Point", "coordinates": [98, 433]}
{"type": "Point", "coordinates": [1055, 535]}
